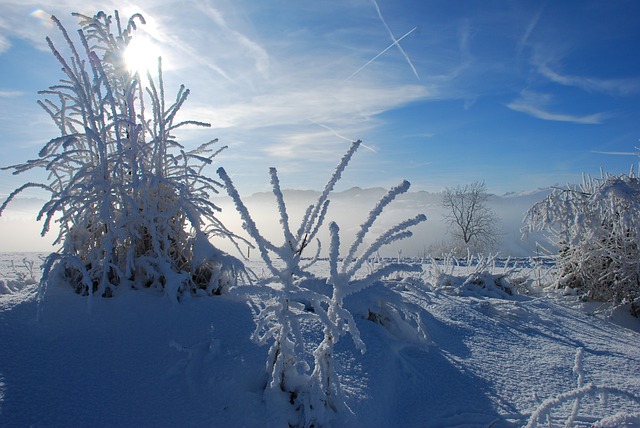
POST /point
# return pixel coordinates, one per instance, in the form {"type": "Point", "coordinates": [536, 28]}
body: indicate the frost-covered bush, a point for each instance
{"type": "Point", "coordinates": [596, 227]}
{"type": "Point", "coordinates": [298, 298]}
{"type": "Point", "coordinates": [22, 276]}
{"type": "Point", "coordinates": [478, 276]}
{"type": "Point", "coordinates": [132, 203]}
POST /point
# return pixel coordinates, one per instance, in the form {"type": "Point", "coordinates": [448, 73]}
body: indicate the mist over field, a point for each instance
{"type": "Point", "coordinates": [349, 208]}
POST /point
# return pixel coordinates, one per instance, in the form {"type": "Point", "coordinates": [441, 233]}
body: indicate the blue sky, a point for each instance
{"type": "Point", "coordinates": [519, 94]}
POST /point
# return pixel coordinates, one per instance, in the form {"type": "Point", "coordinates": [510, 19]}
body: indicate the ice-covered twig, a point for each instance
{"type": "Point", "coordinates": [579, 372]}
{"type": "Point", "coordinates": [396, 233]}
{"type": "Point", "coordinates": [582, 390]}
{"type": "Point", "coordinates": [282, 209]}
{"type": "Point", "coordinates": [20, 189]}
{"type": "Point", "coordinates": [264, 246]}
{"type": "Point", "coordinates": [313, 216]}
{"type": "Point", "coordinates": [374, 214]}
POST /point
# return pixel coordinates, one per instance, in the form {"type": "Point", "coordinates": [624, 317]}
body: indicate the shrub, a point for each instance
{"type": "Point", "coordinates": [596, 228]}
{"type": "Point", "coordinates": [298, 297]}
{"type": "Point", "coordinates": [132, 203]}
{"type": "Point", "coordinates": [480, 276]}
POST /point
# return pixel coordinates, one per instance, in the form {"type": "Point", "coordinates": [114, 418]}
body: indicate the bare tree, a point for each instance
{"type": "Point", "coordinates": [472, 223]}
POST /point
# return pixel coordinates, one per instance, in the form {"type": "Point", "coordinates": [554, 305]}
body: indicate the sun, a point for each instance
{"type": "Point", "coordinates": [141, 56]}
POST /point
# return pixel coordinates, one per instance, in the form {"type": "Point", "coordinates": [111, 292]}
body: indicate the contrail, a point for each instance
{"type": "Point", "coordinates": [377, 56]}
{"type": "Point", "coordinates": [393, 38]}
{"type": "Point", "coordinates": [341, 136]}
{"type": "Point", "coordinates": [617, 153]}
{"type": "Point", "coordinates": [527, 33]}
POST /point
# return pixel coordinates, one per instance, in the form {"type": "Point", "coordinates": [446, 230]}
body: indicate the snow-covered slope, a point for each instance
{"type": "Point", "coordinates": [140, 360]}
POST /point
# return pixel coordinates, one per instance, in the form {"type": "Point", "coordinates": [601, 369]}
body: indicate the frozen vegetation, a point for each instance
{"type": "Point", "coordinates": [595, 227]}
{"type": "Point", "coordinates": [492, 349]}
{"type": "Point", "coordinates": [140, 320]}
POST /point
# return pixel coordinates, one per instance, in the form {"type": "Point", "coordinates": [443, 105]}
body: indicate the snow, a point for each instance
{"type": "Point", "coordinates": [487, 358]}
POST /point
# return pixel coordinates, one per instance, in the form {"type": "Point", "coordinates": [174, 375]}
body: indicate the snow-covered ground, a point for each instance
{"type": "Point", "coordinates": [139, 359]}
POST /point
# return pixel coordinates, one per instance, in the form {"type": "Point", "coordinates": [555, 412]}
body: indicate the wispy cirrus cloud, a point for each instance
{"type": "Point", "coordinates": [325, 103]}
{"type": "Point", "coordinates": [4, 44]}
{"type": "Point", "coordinates": [529, 29]}
{"type": "Point", "coordinates": [623, 87]}
{"type": "Point", "coordinates": [10, 93]}
{"type": "Point", "coordinates": [254, 49]}
{"type": "Point", "coordinates": [536, 105]}
{"type": "Point", "coordinates": [265, 82]}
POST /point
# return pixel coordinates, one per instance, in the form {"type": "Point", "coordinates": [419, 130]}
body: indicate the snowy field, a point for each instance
{"type": "Point", "coordinates": [492, 355]}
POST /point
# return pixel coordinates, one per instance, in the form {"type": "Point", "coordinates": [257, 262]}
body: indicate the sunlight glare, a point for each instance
{"type": "Point", "coordinates": [141, 56]}
{"type": "Point", "coordinates": [42, 18]}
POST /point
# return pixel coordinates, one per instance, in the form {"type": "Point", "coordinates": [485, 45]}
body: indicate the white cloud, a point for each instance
{"type": "Point", "coordinates": [622, 87]}
{"type": "Point", "coordinates": [306, 145]}
{"type": "Point", "coordinates": [533, 23]}
{"type": "Point", "coordinates": [534, 104]}
{"type": "Point", "coordinates": [264, 82]}
{"type": "Point", "coordinates": [323, 103]}
{"type": "Point", "coordinates": [258, 53]}
{"type": "Point", "coordinates": [10, 93]}
{"type": "Point", "coordinates": [4, 44]}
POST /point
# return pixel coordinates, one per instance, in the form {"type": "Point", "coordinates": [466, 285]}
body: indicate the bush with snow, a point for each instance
{"type": "Point", "coordinates": [132, 203]}
{"type": "Point", "coordinates": [596, 227]}
{"type": "Point", "coordinates": [299, 298]}
{"type": "Point", "coordinates": [478, 276]}
{"type": "Point", "coordinates": [21, 276]}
